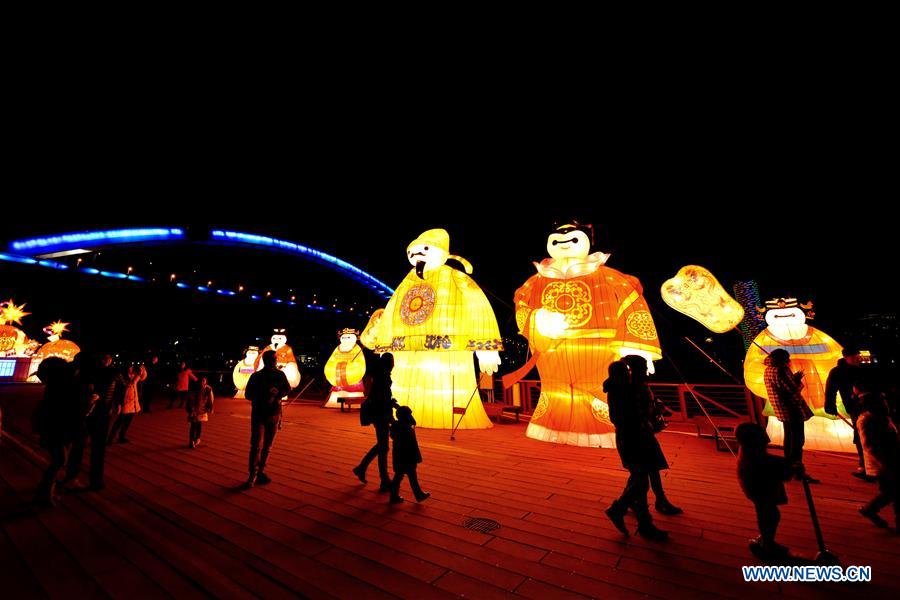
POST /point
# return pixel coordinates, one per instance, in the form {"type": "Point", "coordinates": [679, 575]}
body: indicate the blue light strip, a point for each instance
{"type": "Point", "coordinates": [88, 239]}
{"type": "Point", "coordinates": [331, 261]}
{"type": "Point", "coordinates": [354, 272]}
{"type": "Point", "coordinates": [27, 260]}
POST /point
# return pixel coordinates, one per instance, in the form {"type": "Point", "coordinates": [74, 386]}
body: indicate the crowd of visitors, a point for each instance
{"type": "Point", "coordinates": [89, 401]}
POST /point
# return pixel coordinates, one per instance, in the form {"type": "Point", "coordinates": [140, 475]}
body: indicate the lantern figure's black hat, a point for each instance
{"type": "Point", "coordinates": [567, 226]}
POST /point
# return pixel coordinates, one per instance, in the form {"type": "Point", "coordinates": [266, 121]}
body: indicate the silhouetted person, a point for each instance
{"type": "Point", "coordinates": [130, 403]}
{"type": "Point", "coordinates": [199, 408]}
{"type": "Point", "coordinates": [264, 390]}
{"type": "Point", "coordinates": [879, 440]}
{"type": "Point", "coordinates": [762, 476]}
{"type": "Point", "coordinates": [406, 455]}
{"type": "Point", "coordinates": [103, 382]}
{"type": "Point", "coordinates": [57, 420]}
{"type": "Point", "coordinates": [648, 405]}
{"type": "Point", "coordinates": [840, 380]}
{"type": "Point", "coordinates": [784, 387]}
{"type": "Point", "coordinates": [182, 385]}
{"type": "Point", "coordinates": [638, 449]}
{"type": "Point", "coordinates": [150, 387]}
{"type": "Point", "coordinates": [379, 411]}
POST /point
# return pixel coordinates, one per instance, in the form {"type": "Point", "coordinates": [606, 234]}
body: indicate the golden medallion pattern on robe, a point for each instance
{"type": "Point", "coordinates": [571, 298]}
{"type": "Point", "coordinates": [640, 325]}
{"type": "Point", "coordinates": [417, 305]}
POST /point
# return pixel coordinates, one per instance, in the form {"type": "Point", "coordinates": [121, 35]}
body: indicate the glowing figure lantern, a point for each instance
{"type": "Point", "coordinates": [436, 319]}
{"type": "Point", "coordinates": [284, 357]}
{"type": "Point", "coordinates": [695, 292]}
{"type": "Point", "coordinates": [345, 369]}
{"type": "Point", "coordinates": [13, 341]}
{"type": "Point", "coordinates": [579, 316]}
{"type": "Point", "coordinates": [244, 369]}
{"type": "Point", "coordinates": [56, 346]}
{"type": "Point", "coordinates": [813, 352]}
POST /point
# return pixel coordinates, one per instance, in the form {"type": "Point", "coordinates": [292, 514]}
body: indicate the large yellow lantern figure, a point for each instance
{"type": "Point", "coordinates": [345, 369]}
{"type": "Point", "coordinates": [579, 316]}
{"type": "Point", "coordinates": [244, 369]}
{"type": "Point", "coordinates": [13, 341]}
{"type": "Point", "coordinates": [284, 357]}
{"type": "Point", "coordinates": [812, 351]}
{"type": "Point", "coordinates": [436, 319]}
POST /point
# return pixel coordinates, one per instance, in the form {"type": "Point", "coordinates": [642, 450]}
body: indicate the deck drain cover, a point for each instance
{"type": "Point", "coordinates": [482, 525]}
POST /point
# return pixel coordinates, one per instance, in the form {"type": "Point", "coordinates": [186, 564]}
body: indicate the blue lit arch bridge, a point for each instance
{"type": "Point", "coordinates": [119, 281]}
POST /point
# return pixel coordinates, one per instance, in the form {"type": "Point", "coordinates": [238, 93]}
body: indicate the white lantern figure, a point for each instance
{"type": "Point", "coordinates": [284, 357]}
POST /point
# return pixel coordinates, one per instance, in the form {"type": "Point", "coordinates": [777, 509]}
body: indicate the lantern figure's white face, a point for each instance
{"type": "Point", "coordinates": [278, 340]}
{"type": "Point", "coordinates": [250, 357]}
{"type": "Point", "coordinates": [53, 337]}
{"type": "Point", "coordinates": [348, 341]}
{"type": "Point", "coordinates": [787, 323]}
{"type": "Point", "coordinates": [574, 244]}
{"type": "Point", "coordinates": [432, 256]}
{"type": "Point", "coordinates": [784, 317]}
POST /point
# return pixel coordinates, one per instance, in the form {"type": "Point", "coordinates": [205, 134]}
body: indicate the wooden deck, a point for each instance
{"type": "Point", "coordinates": [173, 523]}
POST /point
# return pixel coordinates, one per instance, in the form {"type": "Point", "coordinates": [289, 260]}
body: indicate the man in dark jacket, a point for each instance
{"type": "Point", "coordinates": [840, 381]}
{"type": "Point", "coordinates": [265, 389]}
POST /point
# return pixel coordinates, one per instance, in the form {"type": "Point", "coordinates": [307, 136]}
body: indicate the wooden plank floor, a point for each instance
{"type": "Point", "coordinates": [174, 523]}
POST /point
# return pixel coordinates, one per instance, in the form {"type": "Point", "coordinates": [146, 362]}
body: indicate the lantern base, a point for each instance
{"type": "Point", "coordinates": [571, 438]}
{"type": "Point", "coordinates": [821, 434]}
{"type": "Point", "coordinates": [338, 394]}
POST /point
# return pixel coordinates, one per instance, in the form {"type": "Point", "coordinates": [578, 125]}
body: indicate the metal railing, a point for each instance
{"type": "Point", "coordinates": [721, 401]}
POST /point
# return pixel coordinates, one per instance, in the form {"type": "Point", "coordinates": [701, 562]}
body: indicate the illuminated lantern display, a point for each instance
{"type": "Point", "coordinates": [284, 356]}
{"type": "Point", "coordinates": [13, 341]}
{"type": "Point", "coordinates": [813, 352]}
{"type": "Point", "coordinates": [436, 319]}
{"type": "Point", "coordinates": [244, 369]}
{"type": "Point", "coordinates": [345, 369]}
{"type": "Point", "coordinates": [695, 292]}
{"type": "Point", "coordinates": [579, 316]}
{"type": "Point", "coordinates": [56, 346]}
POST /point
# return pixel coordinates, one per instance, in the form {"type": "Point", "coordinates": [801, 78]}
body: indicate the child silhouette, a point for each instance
{"type": "Point", "coordinates": [405, 455]}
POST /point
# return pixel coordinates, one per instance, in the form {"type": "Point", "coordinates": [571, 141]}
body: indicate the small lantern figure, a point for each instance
{"type": "Point", "coordinates": [284, 357]}
{"type": "Point", "coordinates": [56, 346]}
{"type": "Point", "coordinates": [345, 369]}
{"type": "Point", "coordinates": [13, 341]}
{"type": "Point", "coordinates": [244, 369]}
{"type": "Point", "coordinates": [812, 351]}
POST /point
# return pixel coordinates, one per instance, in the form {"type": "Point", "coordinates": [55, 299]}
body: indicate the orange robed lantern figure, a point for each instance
{"type": "Point", "coordinates": [345, 369]}
{"type": "Point", "coordinates": [436, 319]}
{"type": "Point", "coordinates": [812, 351]}
{"type": "Point", "coordinates": [284, 357]}
{"type": "Point", "coordinates": [580, 316]}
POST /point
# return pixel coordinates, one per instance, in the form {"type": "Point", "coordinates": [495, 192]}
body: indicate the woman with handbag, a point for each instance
{"type": "Point", "coordinates": [653, 411]}
{"type": "Point", "coordinates": [378, 410]}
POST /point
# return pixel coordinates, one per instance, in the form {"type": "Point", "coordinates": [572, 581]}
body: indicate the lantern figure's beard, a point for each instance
{"type": "Point", "coordinates": [420, 269]}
